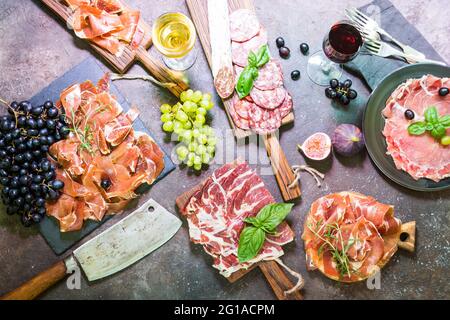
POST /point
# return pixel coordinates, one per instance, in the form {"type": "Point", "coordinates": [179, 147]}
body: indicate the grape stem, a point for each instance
{"type": "Point", "coordinates": [4, 102]}
{"type": "Point", "coordinates": [116, 76]}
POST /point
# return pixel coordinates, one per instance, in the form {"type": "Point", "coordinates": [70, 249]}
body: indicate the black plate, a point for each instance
{"type": "Point", "coordinates": [373, 124]}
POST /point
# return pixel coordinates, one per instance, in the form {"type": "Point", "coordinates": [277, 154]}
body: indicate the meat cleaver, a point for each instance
{"type": "Point", "coordinates": [123, 244]}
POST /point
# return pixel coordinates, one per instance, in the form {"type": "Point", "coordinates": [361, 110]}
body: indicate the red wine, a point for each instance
{"type": "Point", "coordinates": [343, 42]}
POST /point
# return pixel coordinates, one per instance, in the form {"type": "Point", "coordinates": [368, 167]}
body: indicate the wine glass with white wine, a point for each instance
{"type": "Point", "coordinates": [174, 36]}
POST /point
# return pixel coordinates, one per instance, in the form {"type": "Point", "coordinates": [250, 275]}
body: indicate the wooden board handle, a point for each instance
{"type": "Point", "coordinates": [39, 284]}
{"type": "Point", "coordinates": [161, 72]}
{"type": "Point", "coordinates": [281, 168]}
{"type": "Point", "coordinates": [279, 281]}
{"type": "Point", "coordinates": [407, 236]}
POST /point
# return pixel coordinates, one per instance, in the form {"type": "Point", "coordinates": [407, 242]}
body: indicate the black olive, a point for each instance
{"type": "Point", "coordinates": [304, 48]}
{"type": "Point", "coordinates": [284, 52]}
{"type": "Point", "coordinates": [280, 42]}
{"type": "Point", "coordinates": [409, 114]}
{"type": "Point", "coordinates": [443, 91]}
{"type": "Point", "coordinates": [105, 184]}
{"type": "Point", "coordinates": [295, 75]}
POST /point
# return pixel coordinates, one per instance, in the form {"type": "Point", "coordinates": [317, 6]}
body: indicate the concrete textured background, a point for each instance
{"type": "Point", "coordinates": [37, 49]}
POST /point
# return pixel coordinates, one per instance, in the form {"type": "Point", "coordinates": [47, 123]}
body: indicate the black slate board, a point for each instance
{"type": "Point", "coordinates": [89, 69]}
{"type": "Point", "coordinates": [374, 69]}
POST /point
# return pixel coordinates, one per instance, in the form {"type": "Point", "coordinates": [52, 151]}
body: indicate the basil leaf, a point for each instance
{"type": "Point", "coordinates": [273, 214]}
{"type": "Point", "coordinates": [253, 220]}
{"type": "Point", "coordinates": [445, 121]}
{"type": "Point", "coordinates": [245, 81]}
{"type": "Point", "coordinates": [252, 59]}
{"type": "Point", "coordinates": [417, 128]}
{"type": "Point", "coordinates": [262, 57]}
{"type": "Point", "coordinates": [438, 131]}
{"type": "Point", "coordinates": [251, 241]}
{"type": "Point", "coordinates": [431, 115]}
{"type": "Point", "coordinates": [429, 126]}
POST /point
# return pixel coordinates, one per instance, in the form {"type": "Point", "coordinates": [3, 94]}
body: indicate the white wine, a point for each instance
{"type": "Point", "coordinates": [174, 35]}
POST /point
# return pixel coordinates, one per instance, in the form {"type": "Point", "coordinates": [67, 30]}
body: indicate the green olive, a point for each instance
{"type": "Point", "coordinates": [445, 140]}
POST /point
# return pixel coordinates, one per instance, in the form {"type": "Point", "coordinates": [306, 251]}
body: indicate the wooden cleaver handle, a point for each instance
{"type": "Point", "coordinates": [161, 72]}
{"type": "Point", "coordinates": [279, 281]}
{"type": "Point", "coordinates": [39, 284]}
{"type": "Point", "coordinates": [281, 168]}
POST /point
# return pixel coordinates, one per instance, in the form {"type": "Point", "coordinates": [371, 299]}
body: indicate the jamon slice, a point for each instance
{"type": "Point", "coordinates": [352, 221]}
{"type": "Point", "coordinates": [152, 158]}
{"type": "Point", "coordinates": [89, 22]}
{"type": "Point", "coordinates": [117, 130]}
{"type": "Point", "coordinates": [66, 152]}
{"type": "Point", "coordinates": [67, 211]}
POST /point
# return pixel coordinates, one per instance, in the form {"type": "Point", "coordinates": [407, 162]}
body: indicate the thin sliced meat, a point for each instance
{"type": "Point", "coordinates": [224, 82]}
{"type": "Point", "coordinates": [270, 76]}
{"type": "Point", "coordinates": [240, 51]}
{"type": "Point", "coordinates": [239, 122]}
{"type": "Point", "coordinates": [117, 130]}
{"type": "Point", "coordinates": [286, 107]}
{"type": "Point", "coordinates": [269, 99]}
{"type": "Point", "coordinates": [263, 121]}
{"type": "Point", "coordinates": [110, 6]}
{"type": "Point", "coordinates": [152, 157]}
{"type": "Point", "coordinates": [244, 25]}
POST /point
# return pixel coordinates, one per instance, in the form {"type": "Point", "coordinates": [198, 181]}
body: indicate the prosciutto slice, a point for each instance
{"type": "Point", "coordinates": [350, 223]}
{"type": "Point", "coordinates": [420, 156]}
{"type": "Point", "coordinates": [216, 213]}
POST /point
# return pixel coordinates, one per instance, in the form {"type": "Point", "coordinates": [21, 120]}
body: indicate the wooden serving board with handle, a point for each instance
{"type": "Point", "coordinates": [158, 70]}
{"type": "Point", "coordinates": [275, 276]}
{"type": "Point", "coordinates": [283, 173]}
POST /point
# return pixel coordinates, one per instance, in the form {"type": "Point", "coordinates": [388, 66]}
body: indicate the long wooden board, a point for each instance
{"type": "Point", "coordinates": [275, 276]}
{"type": "Point", "coordinates": [129, 55]}
{"type": "Point", "coordinates": [283, 173]}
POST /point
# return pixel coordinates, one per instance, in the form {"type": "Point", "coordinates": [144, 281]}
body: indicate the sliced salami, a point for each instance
{"type": "Point", "coordinates": [270, 76]}
{"type": "Point", "coordinates": [240, 50]}
{"type": "Point", "coordinates": [268, 99]}
{"type": "Point", "coordinates": [244, 25]}
{"type": "Point", "coordinates": [241, 107]}
{"type": "Point", "coordinates": [238, 121]}
{"type": "Point", "coordinates": [263, 121]}
{"type": "Point", "coordinates": [286, 106]}
{"type": "Point", "coordinates": [224, 82]}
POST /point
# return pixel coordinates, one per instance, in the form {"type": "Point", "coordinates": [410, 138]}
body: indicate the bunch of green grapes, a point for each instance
{"type": "Point", "coordinates": [187, 120]}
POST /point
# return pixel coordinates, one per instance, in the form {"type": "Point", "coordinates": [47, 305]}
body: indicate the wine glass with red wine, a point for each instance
{"type": "Point", "coordinates": [340, 45]}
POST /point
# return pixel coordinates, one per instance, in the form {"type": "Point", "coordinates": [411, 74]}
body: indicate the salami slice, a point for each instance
{"type": "Point", "coordinates": [238, 121]}
{"type": "Point", "coordinates": [244, 25]}
{"type": "Point", "coordinates": [263, 121]}
{"type": "Point", "coordinates": [286, 106]}
{"type": "Point", "coordinates": [241, 107]}
{"type": "Point", "coordinates": [240, 50]}
{"type": "Point", "coordinates": [224, 82]}
{"type": "Point", "coordinates": [268, 99]}
{"type": "Point", "coordinates": [270, 76]}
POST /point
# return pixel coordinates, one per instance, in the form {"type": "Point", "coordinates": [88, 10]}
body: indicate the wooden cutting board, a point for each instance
{"type": "Point", "coordinates": [283, 173]}
{"type": "Point", "coordinates": [275, 276]}
{"type": "Point", "coordinates": [130, 55]}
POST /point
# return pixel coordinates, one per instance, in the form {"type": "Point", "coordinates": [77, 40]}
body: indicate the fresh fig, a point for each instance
{"type": "Point", "coordinates": [316, 147]}
{"type": "Point", "coordinates": [347, 140]}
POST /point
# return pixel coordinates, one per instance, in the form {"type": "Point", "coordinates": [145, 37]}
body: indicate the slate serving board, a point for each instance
{"type": "Point", "coordinates": [89, 69]}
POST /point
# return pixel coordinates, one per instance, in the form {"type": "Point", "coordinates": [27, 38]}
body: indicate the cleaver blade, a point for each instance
{"type": "Point", "coordinates": [128, 241]}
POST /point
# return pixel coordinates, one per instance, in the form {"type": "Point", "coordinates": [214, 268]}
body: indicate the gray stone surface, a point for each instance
{"type": "Point", "coordinates": [36, 49]}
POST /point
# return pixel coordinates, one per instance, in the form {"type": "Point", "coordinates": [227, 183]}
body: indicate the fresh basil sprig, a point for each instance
{"type": "Point", "coordinates": [433, 123]}
{"type": "Point", "coordinates": [255, 61]}
{"type": "Point", "coordinates": [252, 237]}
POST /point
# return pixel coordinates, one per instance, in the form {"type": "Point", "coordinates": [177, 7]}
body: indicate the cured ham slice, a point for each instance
{"type": "Point", "coordinates": [216, 214]}
{"type": "Point", "coordinates": [125, 160]}
{"type": "Point", "coordinates": [343, 235]}
{"type": "Point", "coordinates": [106, 23]}
{"type": "Point", "coordinates": [420, 156]}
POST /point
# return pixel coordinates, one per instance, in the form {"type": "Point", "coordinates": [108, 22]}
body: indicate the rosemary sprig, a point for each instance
{"type": "Point", "coordinates": [333, 232]}
{"type": "Point", "coordinates": [84, 136]}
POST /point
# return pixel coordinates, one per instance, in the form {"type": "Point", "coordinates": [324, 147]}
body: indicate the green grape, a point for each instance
{"type": "Point", "coordinates": [202, 139]}
{"type": "Point", "coordinates": [198, 167]}
{"type": "Point", "coordinates": [187, 135]}
{"type": "Point", "coordinates": [189, 106]}
{"type": "Point", "coordinates": [188, 95]}
{"type": "Point", "coordinates": [182, 152]}
{"type": "Point", "coordinates": [183, 96]}
{"type": "Point", "coordinates": [210, 150]}
{"type": "Point", "coordinates": [204, 104]}
{"type": "Point", "coordinates": [165, 108]}
{"type": "Point", "coordinates": [197, 96]}
{"type": "Point", "coordinates": [206, 96]}
{"type": "Point", "coordinates": [190, 163]}
{"type": "Point", "coordinates": [191, 156]}
{"type": "Point", "coordinates": [201, 111]}
{"type": "Point", "coordinates": [201, 149]}
{"type": "Point", "coordinates": [187, 125]}
{"type": "Point", "coordinates": [168, 126]}
{"type": "Point", "coordinates": [197, 160]}
{"type": "Point", "coordinates": [166, 117]}
{"type": "Point", "coordinates": [200, 118]}
{"type": "Point", "coordinates": [192, 146]}
{"type": "Point", "coordinates": [198, 124]}
{"type": "Point", "coordinates": [209, 106]}
{"type": "Point", "coordinates": [206, 158]}
{"type": "Point", "coordinates": [212, 141]}
{"type": "Point", "coordinates": [177, 126]}
{"type": "Point", "coordinates": [195, 133]}
{"type": "Point", "coordinates": [181, 116]}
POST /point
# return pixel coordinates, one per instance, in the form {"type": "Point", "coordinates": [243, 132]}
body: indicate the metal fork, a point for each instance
{"type": "Point", "coordinates": [369, 26]}
{"type": "Point", "coordinates": [384, 50]}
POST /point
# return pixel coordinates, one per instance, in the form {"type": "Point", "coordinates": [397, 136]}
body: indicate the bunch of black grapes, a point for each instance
{"type": "Point", "coordinates": [27, 176]}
